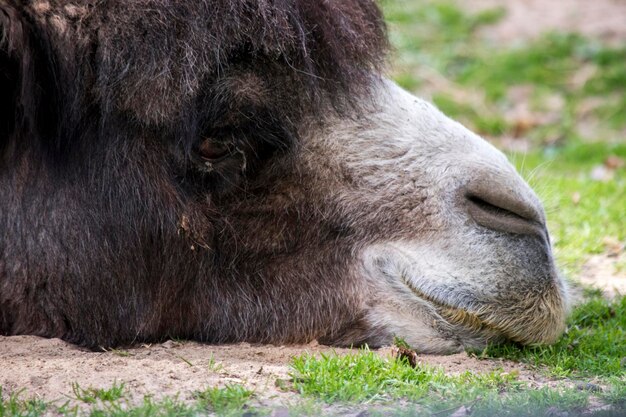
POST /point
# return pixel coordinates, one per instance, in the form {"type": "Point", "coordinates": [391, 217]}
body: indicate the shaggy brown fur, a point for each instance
{"type": "Point", "coordinates": [109, 217]}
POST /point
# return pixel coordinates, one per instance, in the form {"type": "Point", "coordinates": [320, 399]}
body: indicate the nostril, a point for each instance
{"type": "Point", "coordinates": [494, 209]}
{"type": "Point", "coordinates": [502, 213]}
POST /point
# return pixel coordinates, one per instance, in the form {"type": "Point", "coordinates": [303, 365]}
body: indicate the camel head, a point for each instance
{"type": "Point", "coordinates": [240, 171]}
{"type": "Point", "coordinates": [419, 227]}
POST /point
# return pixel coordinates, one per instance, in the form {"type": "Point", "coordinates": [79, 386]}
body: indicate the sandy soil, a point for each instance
{"type": "Point", "coordinates": [47, 368]}
{"type": "Point", "coordinates": [600, 272]}
{"type": "Point", "coordinates": [526, 19]}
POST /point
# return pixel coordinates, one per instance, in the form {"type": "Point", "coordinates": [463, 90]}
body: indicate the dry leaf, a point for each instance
{"type": "Point", "coordinates": [398, 352]}
{"type": "Point", "coordinates": [170, 344]}
{"type": "Point", "coordinates": [613, 162]}
{"type": "Point", "coordinates": [612, 245]}
{"type": "Point", "coordinates": [522, 125]}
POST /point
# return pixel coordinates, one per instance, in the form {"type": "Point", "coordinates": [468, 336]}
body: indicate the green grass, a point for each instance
{"type": "Point", "coordinates": [432, 34]}
{"type": "Point", "coordinates": [224, 401]}
{"type": "Point", "coordinates": [167, 407]}
{"type": "Point", "coordinates": [616, 394]}
{"type": "Point", "coordinates": [115, 401]}
{"type": "Point", "coordinates": [593, 345]}
{"type": "Point", "coordinates": [366, 377]}
{"type": "Point", "coordinates": [14, 406]}
{"type": "Point", "coordinates": [92, 395]}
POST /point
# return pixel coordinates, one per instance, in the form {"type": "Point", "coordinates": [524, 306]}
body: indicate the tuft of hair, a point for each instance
{"type": "Point", "coordinates": [188, 68]}
{"type": "Point", "coordinates": [290, 56]}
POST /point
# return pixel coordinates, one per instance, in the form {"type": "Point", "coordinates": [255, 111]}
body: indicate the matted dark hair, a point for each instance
{"type": "Point", "coordinates": [107, 109]}
{"type": "Point", "coordinates": [301, 49]}
{"type": "Point", "coordinates": [192, 65]}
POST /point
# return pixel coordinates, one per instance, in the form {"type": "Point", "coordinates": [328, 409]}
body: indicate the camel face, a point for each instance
{"type": "Point", "coordinates": [423, 228]}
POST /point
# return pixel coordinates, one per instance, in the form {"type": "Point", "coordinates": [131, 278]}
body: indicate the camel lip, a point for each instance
{"type": "Point", "coordinates": [474, 318]}
{"type": "Point", "coordinates": [492, 330]}
{"type": "Point", "coordinates": [454, 315]}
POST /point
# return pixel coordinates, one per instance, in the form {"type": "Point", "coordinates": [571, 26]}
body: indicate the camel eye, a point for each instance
{"type": "Point", "coordinates": [212, 150]}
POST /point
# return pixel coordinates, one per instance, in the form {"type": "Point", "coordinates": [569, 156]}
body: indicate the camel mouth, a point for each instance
{"type": "Point", "coordinates": [456, 315]}
{"type": "Point", "coordinates": [466, 314]}
{"type": "Point", "coordinates": [497, 328]}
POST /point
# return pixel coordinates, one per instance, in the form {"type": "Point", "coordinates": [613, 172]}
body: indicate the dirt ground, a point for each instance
{"type": "Point", "coordinates": [603, 19]}
{"type": "Point", "coordinates": [46, 368]}
{"type": "Point", "coordinates": [599, 271]}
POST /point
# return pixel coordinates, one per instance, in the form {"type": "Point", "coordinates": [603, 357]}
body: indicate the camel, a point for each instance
{"type": "Point", "coordinates": [241, 170]}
